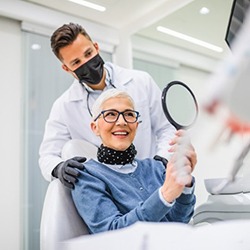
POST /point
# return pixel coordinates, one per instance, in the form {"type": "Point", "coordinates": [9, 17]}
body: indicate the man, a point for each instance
{"type": "Point", "coordinates": [71, 113]}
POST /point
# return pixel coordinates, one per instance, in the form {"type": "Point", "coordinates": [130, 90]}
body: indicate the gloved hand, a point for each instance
{"type": "Point", "coordinates": [66, 172]}
{"type": "Point", "coordinates": [162, 159]}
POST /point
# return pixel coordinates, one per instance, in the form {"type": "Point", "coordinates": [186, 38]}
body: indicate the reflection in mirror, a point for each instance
{"type": "Point", "coordinates": [179, 105]}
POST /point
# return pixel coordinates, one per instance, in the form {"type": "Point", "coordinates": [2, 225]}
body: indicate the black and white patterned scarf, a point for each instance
{"type": "Point", "coordinates": [114, 157]}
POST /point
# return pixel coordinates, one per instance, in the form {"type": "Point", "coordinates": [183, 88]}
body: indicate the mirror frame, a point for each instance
{"type": "Point", "coordinates": [165, 109]}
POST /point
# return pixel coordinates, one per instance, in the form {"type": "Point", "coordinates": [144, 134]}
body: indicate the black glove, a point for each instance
{"type": "Point", "coordinates": [162, 159]}
{"type": "Point", "coordinates": [66, 172]}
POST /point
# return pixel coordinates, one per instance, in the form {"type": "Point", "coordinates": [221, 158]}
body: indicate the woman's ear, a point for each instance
{"type": "Point", "coordinates": [137, 124]}
{"type": "Point", "coordinates": [94, 128]}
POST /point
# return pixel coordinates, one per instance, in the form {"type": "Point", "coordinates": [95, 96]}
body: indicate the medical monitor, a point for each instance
{"type": "Point", "coordinates": [237, 16]}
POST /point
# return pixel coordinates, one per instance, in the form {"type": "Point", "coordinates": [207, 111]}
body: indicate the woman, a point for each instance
{"type": "Point", "coordinates": [116, 189]}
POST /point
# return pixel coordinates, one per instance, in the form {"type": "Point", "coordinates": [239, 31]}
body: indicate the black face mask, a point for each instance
{"type": "Point", "coordinates": [91, 72]}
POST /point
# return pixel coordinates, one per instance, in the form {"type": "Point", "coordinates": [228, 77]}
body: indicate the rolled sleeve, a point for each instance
{"type": "Point", "coordinates": [190, 190]}
{"type": "Point", "coordinates": [167, 204]}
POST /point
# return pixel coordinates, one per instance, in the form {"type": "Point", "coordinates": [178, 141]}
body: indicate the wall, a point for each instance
{"type": "Point", "coordinates": [10, 133]}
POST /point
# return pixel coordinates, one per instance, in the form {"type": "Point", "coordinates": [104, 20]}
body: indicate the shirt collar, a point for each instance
{"type": "Point", "coordinates": [124, 169]}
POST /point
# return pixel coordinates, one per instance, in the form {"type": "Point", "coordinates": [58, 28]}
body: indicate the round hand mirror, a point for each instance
{"type": "Point", "coordinates": [179, 105]}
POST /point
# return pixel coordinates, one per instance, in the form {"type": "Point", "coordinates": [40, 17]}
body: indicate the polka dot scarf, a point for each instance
{"type": "Point", "coordinates": [113, 157]}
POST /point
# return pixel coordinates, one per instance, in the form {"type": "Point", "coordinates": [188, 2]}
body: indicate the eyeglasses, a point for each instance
{"type": "Point", "coordinates": [112, 115]}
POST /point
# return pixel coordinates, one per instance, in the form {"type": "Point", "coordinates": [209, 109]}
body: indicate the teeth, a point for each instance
{"type": "Point", "coordinates": [120, 133]}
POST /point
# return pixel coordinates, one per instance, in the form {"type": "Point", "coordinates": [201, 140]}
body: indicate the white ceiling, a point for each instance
{"type": "Point", "coordinates": [141, 17]}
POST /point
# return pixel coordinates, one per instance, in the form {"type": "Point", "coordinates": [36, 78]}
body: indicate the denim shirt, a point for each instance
{"type": "Point", "coordinates": [108, 200]}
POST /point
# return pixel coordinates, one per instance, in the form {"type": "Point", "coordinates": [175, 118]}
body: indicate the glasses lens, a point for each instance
{"type": "Point", "coordinates": [110, 115]}
{"type": "Point", "coordinates": [130, 116]}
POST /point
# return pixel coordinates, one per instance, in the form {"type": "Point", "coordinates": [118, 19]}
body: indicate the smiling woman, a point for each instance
{"type": "Point", "coordinates": [116, 127]}
{"type": "Point", "coordinates": [117, 189]}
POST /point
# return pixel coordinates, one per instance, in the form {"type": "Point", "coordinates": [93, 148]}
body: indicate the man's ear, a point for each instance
{"type": "Point", "coordinates": [64, 67]}
{"type": "Point", "coordinates": [94, 128]}
{"type": "Point", "coordinates": [96, 47]}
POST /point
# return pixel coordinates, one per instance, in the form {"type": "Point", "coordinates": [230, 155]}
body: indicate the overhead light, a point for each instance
{"type": "Point", "coordinates": [89, 5]}
{"type": "Point", "coordinates": [35, 46]}
{"type": "Point", "coordinates": [189, 39]}
{"type": "Point", "coordinates": [204, 10]}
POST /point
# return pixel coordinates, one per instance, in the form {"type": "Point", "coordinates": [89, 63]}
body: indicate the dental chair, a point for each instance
{"type": "Point", "coordinates": [231, 203]}
{"type": "Point", "coordinates": [60, 220]}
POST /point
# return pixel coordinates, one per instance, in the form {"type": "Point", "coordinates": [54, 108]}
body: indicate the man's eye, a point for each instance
{"type": "Point", "coordinates": [76, 62]}
{"type": "Point", "coordinates": [89, 53]}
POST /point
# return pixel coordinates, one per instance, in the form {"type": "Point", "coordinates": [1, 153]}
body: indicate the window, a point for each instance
{"type": "Point", "coordinates": [44, 81]}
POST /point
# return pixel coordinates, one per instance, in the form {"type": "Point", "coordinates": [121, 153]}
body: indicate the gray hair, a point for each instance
{"type": "Point", "coordinates": [106, 95]}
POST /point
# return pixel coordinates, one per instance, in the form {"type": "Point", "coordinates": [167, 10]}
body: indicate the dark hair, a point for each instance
{"type": "Point", "coordinates": [66, 35]}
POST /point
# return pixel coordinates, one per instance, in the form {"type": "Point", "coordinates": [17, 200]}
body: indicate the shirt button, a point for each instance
{"type": "Point", "coordinates": [141, 188]}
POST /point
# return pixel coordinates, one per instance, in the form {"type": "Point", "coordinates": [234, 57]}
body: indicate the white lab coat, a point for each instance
{"type": "Point", "coordinates": [70, 118]}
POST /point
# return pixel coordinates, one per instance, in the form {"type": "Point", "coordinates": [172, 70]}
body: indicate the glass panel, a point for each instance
{"type": "Point", "coordinates": [162, 74]}
{"type": "Point", "coordinates": [44, 81]}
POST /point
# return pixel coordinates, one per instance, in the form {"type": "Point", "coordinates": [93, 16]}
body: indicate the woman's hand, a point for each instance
{"type": "Point", "coordinates": [182, 143]}
{"type": "Point", "coordinates": [180, 167]}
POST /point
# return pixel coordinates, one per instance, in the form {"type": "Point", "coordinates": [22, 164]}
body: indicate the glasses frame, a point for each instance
{"type": "Point", "coordinates": [119, 113]}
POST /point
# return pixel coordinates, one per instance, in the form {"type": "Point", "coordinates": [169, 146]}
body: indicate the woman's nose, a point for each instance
{"type": "Point", "coordinates": [121, 120]}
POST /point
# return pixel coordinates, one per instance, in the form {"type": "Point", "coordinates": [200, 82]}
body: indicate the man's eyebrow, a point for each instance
{"type": "Point", "coordinates": [87, 51]}
{"type": "Point", "coordinates": [84, 54]}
